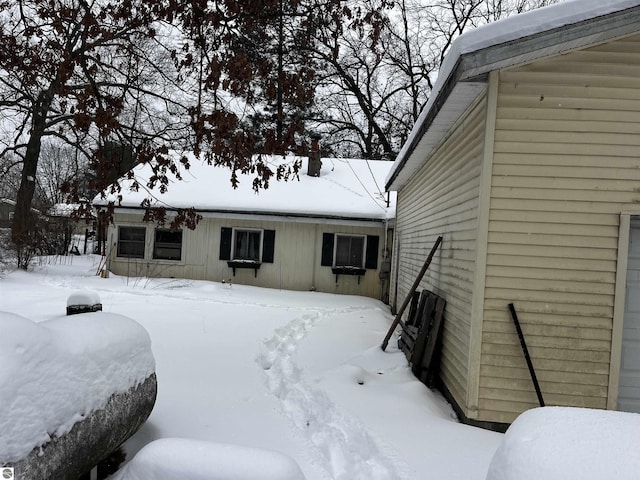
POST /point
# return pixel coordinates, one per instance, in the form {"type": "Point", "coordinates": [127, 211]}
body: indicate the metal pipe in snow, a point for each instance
{"type": "Point", "coordinates": [525, 350]}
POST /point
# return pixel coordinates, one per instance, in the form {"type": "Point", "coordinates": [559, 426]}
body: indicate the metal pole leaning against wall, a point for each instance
{"type": "Point", "coordinates": [407, 300]}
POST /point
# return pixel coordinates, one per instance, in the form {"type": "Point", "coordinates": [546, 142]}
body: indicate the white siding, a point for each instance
{"type": "Point", "coordinates": [442, 199]}
{"type": "Point", "coordinates": [565, 165]}
{"type": "Point", "coordinates": [296, 263]}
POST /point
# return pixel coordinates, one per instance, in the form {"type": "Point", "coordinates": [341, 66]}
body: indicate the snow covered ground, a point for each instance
{"type": "Point", "coordinates": [299, 373]}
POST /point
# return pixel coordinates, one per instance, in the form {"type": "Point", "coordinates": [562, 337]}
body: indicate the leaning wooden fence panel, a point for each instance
{"type": "Point", "coordinates": [421, 337]}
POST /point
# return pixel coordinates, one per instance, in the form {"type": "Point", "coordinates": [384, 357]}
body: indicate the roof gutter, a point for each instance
{"type": "Point", "coordinates": [219, 213]}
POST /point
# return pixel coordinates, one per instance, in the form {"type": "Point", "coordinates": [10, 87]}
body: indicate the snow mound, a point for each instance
{"type": "Point", "coordinates": [54, 373]}
{"type": "Point", "coordinates": [559, 443]}
{"type": "Point", "coordinates": [178, 459]}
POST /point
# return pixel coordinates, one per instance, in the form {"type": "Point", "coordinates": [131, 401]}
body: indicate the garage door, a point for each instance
{"type": "Point", "coordinates": [629, 390]}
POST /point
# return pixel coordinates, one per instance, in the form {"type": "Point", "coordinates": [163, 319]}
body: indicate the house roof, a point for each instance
{"type": "Point", "coordinates": [346, 189]}
{"type": "Point", "coordinates": [63, 209]}
{"type": "Point", "coordinates": [12, 203]}
{"type": "Point", "coordinates": [513, 41]}
{"type": "Point", "coordinates": [66, 210]}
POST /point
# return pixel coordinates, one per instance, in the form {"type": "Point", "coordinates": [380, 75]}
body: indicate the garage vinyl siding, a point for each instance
{"type": "Point", "coordinates": [565, 164]}
{"type": "Point", "coordinates": [442, 199]}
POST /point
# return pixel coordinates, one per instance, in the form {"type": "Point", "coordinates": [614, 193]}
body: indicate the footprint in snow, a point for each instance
{"type": "Point", "coordinates": [346, 449]}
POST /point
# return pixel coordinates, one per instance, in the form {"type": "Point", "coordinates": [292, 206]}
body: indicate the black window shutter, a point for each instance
{"type": "Point", "coordinates": [268, 244]}
{"type": "Point", "coordinates": [225, 243]}
{"type": "Point", "coordinates": [327, 250]}
{"type": "Point", "coordinates": [371, 259]}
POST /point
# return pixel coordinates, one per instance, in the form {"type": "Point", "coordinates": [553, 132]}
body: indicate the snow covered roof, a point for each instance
{"type": "Point", "coordinates": [346, 188]}
{"type": "Point", "coordinates": [63, 209]}
{"type": "Point", "coordinates": [515, 40]}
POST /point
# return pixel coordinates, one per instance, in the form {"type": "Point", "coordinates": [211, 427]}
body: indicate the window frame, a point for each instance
{"type": "Point", "coordinates": [154, 254]}
{"type": "Point", "coordinates": [363, 253]}
{"type": "Point", "coordinates": [234, 256]}
{"type": "Point", "coordinates": [142, 242]}
{"type": "Point", "coordinates": [328, 253]}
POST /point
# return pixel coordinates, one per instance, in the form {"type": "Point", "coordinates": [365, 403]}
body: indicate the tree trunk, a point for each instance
{"type": "Point", "coordinates": [280, 96]}
{"type": "Point", "coordinates": [23, 223]}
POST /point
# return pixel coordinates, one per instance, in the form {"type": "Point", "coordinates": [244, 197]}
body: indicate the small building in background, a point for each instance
{"type": "Point", "coordinates": [67, 230]}
{"type": "Point", "coordinates": [7, 207]}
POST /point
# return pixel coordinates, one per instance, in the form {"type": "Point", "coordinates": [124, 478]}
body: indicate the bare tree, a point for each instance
{"type": "Point", "coordinates": [58, 167]}
{"type": "Point", "coordinates": [9, 176]}
{"type": "Point", "coordinates": [222, 78]}
{"type": "Point", "coordinates": [378, 79]}
{"type": "Point", "coordinates": [83, 73]}
{"type": "Point", "coordinates": [155, 76]}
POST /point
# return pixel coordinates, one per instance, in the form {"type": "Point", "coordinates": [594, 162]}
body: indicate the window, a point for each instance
{"type": "Point", "coordinates": [350, 254]}
{"type": "Point", "coordinates": [246, 245]}
{"type": "Point", "coordinates": [349, 251]}
{"type": "Point", "coordinates": [131, 242]}
{"type": "Point", "coordinates": [167, 245]}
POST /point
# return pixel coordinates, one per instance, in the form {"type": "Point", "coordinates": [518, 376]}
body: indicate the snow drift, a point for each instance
{"type": "Point", "coordinates": [177, 459]}
{"type": "Point", "coordinates": [558, 443]}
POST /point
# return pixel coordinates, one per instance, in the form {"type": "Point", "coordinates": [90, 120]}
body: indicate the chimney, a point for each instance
{"type": "Point", "coordinates": [313, 169]}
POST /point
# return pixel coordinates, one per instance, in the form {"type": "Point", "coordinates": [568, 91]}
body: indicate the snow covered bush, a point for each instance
{"type": "Point", "coordinates": [561, 443]}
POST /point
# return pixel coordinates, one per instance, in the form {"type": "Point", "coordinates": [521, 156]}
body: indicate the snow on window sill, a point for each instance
{"type": "Point", "coordinates": [346, 270]}
{"type": "Point", "coordinates": [244, 264]}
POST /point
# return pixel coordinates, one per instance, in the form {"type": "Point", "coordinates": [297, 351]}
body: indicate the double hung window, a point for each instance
{"type": "Point", "coordinates": [131, 241]}
{"type": "Point", "coordinates": [247, 244]}
{"type": "Point", "coordinates": [350, 254]}
{"type": "Point", "coordinates": [349, 251]}
{"type": "Point", "coordinates": [167, 244]}
{"type": "Point", "coordinates": [247, 247]}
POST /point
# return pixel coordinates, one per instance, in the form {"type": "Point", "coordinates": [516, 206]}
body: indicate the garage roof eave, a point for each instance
{"type": "Point", "coordinates": [432, 133]}
{"type": "Point", "coordinates": [467, 70]}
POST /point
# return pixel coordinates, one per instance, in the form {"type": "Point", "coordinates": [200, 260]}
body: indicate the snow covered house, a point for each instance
{"type": "Point", "coordinates": [527, 161]}
{"type": "Point", "coordinates": [326, 232]}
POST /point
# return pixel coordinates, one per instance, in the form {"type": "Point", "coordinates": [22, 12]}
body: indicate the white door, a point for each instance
{"type": "Point", "coordinates": [629, 390]}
